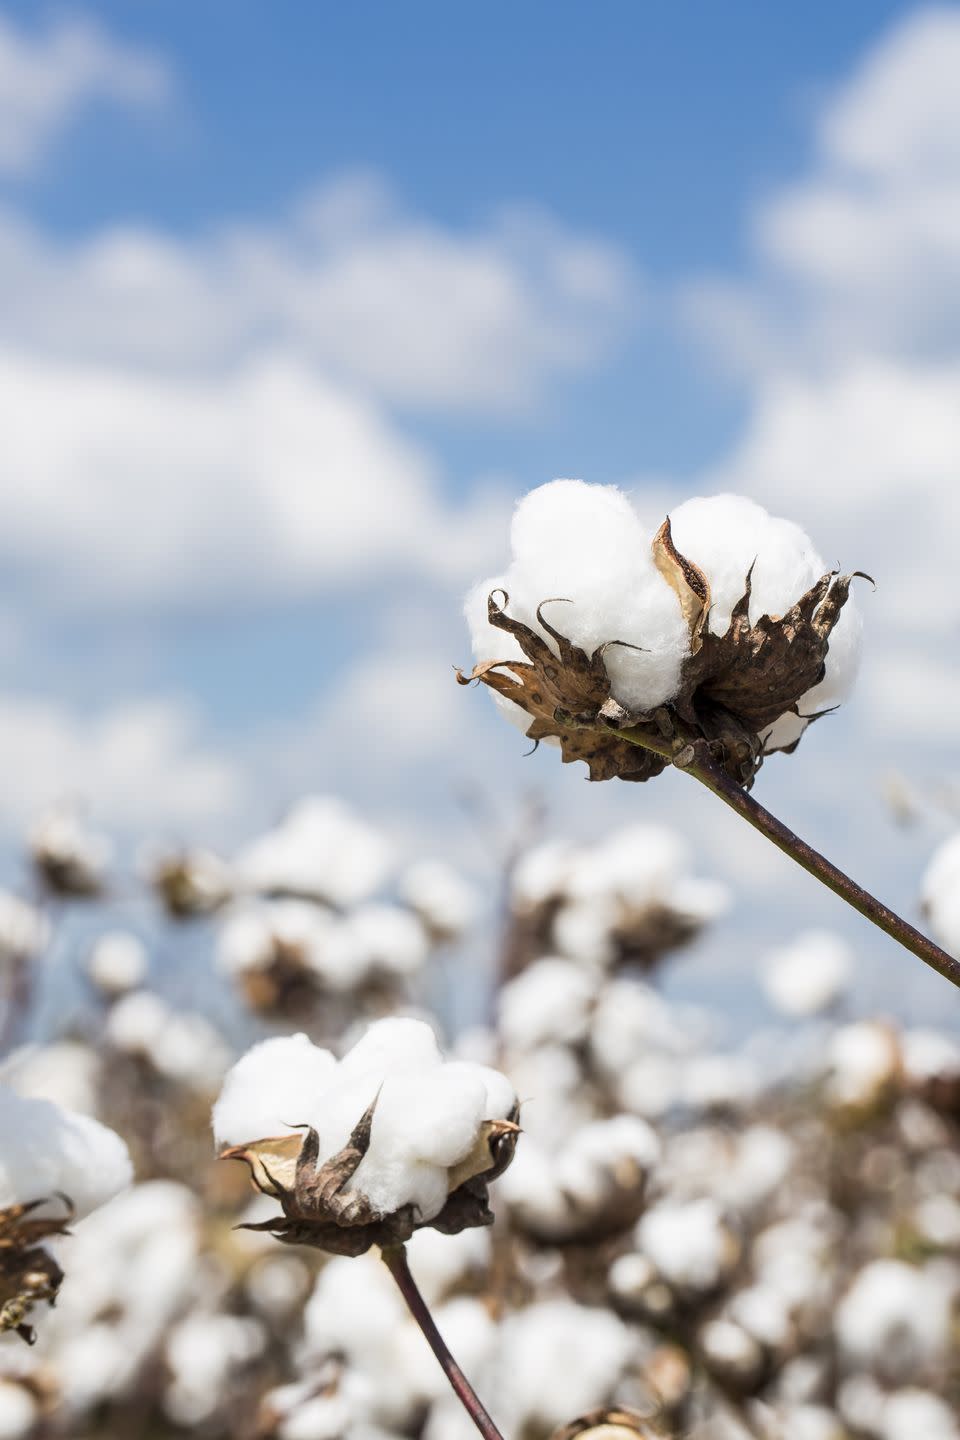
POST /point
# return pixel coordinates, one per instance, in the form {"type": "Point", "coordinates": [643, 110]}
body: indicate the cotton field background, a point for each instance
{"type": "Point", "coordinates": [302, 314]}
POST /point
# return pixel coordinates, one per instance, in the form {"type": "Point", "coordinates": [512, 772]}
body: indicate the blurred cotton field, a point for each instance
{"type": "Point", "coordinates": [758, 1238]}
{"type": "Point", "coordinates": [301, 317]}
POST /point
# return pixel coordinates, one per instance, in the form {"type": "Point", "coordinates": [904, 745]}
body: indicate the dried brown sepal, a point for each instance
{"type": "Point", "coordinates": [321, 1208]}
{"type": "Point", "coordinates": [29, 1276]}
{"type": "Point", "coordinates": [563, 695]}
{"type": "Point", "coordinates": [755, 673]}
{"type": "Point", "coordinates": [613, 1424]}
{"type": "Point", "coordinates": [686, 580]}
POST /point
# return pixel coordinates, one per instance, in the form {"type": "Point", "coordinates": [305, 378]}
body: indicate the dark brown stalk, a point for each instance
{"type": "Point", "coordinates": [395, 1259]}
{"type": "Point", "coordinates": [695, 759]}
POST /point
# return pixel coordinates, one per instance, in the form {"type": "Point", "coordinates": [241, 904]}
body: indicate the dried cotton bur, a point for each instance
{"type": "Point", "coordinates": [709, 645]}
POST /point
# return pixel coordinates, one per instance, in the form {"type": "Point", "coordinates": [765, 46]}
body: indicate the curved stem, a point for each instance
{"type": "Point", "coordinates": [395, 1259]}
{"type": "Point", "coordinates": [695, 759]}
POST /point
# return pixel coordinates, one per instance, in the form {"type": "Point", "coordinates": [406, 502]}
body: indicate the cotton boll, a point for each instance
{"type": "Point", "coordinates": [863, 1061]}
{"type": "Point", "coordinates": [24, 931]}
{"type": "Point", "coordinates": [550, 1001]}
{"type": "Point", "coordinates": [564, 1359]}
{"type": "Point", "coordinates": [67, 1073]}
{"type": "Point", "coordinates": [911, 1413]}
{"type": "Point", "coordinates": [724, 535]}
{"type": "Point", "coordinates": [397, 1044]}
{"type": "Point", "coordinates": [929, 1055]}
{"type": "Point", "coordinates": [585, 544]}
{"type": "Point", "coordinates": [136, 1021]}
{"type": "Point", "coordinates": [688, 1243]}
{"type": "Point", "coordinates": [255, 931]}
{"type": "Point", "coordinates": [273, 1086]}
{"type": "Point", "coordinates": [811, 1422]}
{"type": "Point", "coordinates": [444, 901]}
{"type": "Point", "coordinates": [118, 962]}
{"type": "Point", "coordinates": [204, 1353]}
{"type": "Point", "coordinates": [623, 1146]}
{"type": "Point", "coordinates": [376, 939]}
{"type": "Point", "coordinates": [45, 1150]}
{"type": "Point", "coordinates": [500, 1097]}
{"type": "Point", "coordinates": [941, 894]}
{"type": "Point", "coordinates": [809, 975]}
{"type": "Point", "coordinates": [321, 851]}
{"type": "Point", "coordinates": [895, 1318]}
{"type": "Point", "coordinates": [441, 1262]}
{"type": "Point", "coordinates": [541, 874]}
{"type": "Point", "coordinates": [19, 1411]}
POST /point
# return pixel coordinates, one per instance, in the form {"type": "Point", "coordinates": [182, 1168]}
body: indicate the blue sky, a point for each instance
{"type": "Point", "coordinates": [296, 299]}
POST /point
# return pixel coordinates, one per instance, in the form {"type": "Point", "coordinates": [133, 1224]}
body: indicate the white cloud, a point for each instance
{"type": "Point", "coordinates": [415, 313]}
{"type": "Point", "coordinates": [135, 764]}
{"type": "Point", "coordinates": [46, 78]}
{"type": "Point", "coordinates": [268, 481]}
{"type": "Point", "coordinates": [862, 256]}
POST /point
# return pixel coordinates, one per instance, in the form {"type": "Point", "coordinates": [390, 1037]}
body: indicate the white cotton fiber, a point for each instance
{"type": "Point", "coordinates": [269, 1087]}
{"type": "Point", "coordinates": [941, 894]}
{"type": "Point", "coordinates": [45, 1150]}
{"type": "Point", "coordinates": [724, 535]}
{"type": "Point", "coordinates": [321, 850]}
{"type": "Point", "coordinates": [687, 1242]}
{"type": "Point", "coordinates": [548, 1002]}
{"type": "Point", "coordinates": [586, 545]}
{"type": "Point", "coordinates": [895, 1317]}
{"type": "Point", "coordinates": [809, 975]}
{"type": "Point", "coordinates": [428, 1113]}
{"type": "Point", "coordinates": [24, 931]}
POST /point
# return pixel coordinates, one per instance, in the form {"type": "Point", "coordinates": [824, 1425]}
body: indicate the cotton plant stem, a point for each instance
{"type": "Point", "coordinates": [395, 1259]}
{"type": "Point", "coordinates": [695, 759]}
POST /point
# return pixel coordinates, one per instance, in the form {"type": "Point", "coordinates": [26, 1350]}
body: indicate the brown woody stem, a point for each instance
{"type": "Point", "coordinates": [395, 1259]}
{"type": "Point", "coordinates": [696, 760]}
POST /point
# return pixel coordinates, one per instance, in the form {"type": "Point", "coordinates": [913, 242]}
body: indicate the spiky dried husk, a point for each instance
{"type": "Point", "coordinates": [29, 1276]}
{"type": "Point", "coordinates": [563, 694]}
{"type": "Point", "coordinates": [732, 686]}
{"type": "Point", "coordinates": [322, 1210]}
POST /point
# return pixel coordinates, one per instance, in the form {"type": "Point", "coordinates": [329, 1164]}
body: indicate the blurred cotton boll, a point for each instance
{"type": "Point", "coordinates": [24, 931]}
{"type": "Point", "coordinates": [809, 975]}
{"type": "Point", "coordinates": [46, 1150]}
{"type": "Point", "coordinates": [70, 858]}
{"type": "Point", "coordinates": [940, 893]}
{"type": "Point", "coordinates": [118, 961]}
{"type": "Point", "coordinates": [321, 851]}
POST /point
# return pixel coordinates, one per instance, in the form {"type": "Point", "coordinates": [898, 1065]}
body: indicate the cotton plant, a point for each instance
{"type": "Point", "coordinates": [627, 901]}
{"type": "Point", "coordinates": [393, 1138]}
{"type": "Point", "coordinates": [708, 645]}
{"type": "Point", "coordinates": [69, 857]}
{"type": "Point", "coordinates": [55, 1166]}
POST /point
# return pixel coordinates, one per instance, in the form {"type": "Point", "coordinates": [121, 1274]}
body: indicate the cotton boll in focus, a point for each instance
{"type": "Point", "coordinates": [727, 534]}
{"type": "Point", "coordinates": [586, 545]}
{"type": "Point", "coordinates": [273, 1086]}
{"type": "Point", "coordinates": [724, 535]}
{"type": "Point", "coordinates": [809, 975]}
{"type": "Point", "coordinates": [940, 893]}
{"type": "Point", "coordinates": [118, 962]}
